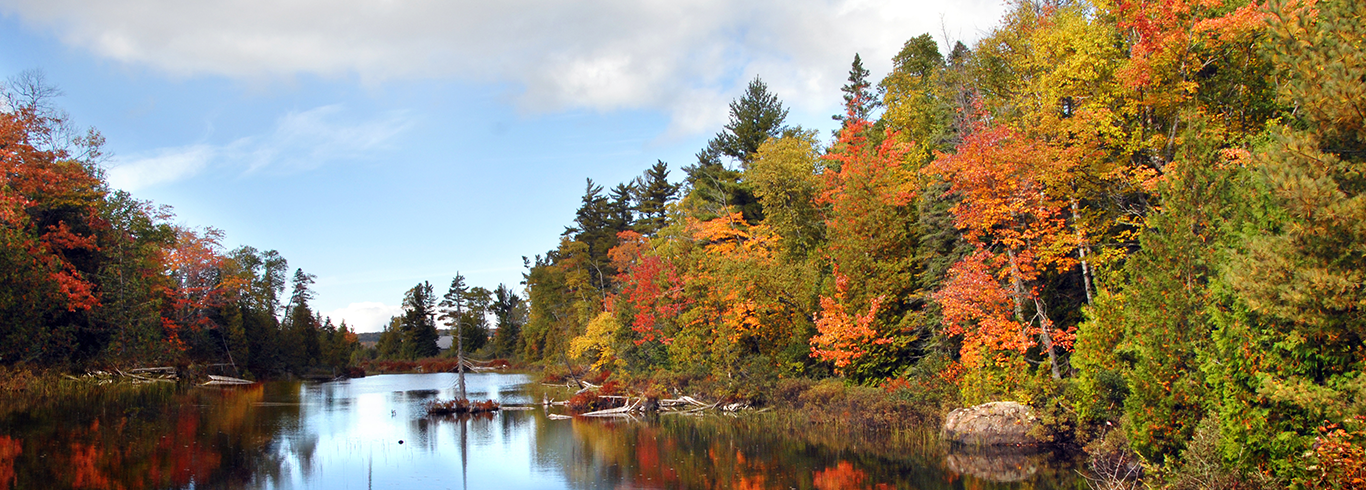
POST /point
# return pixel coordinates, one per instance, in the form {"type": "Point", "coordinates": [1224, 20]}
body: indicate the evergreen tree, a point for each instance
{"type": "Point", "coordinates": [754, 118]}
{"type": "Point", "coordinates": [857, 100]}
{"type": "Point", "coordinates": [620, 207]}
{"type": "Point", "coordinates": [1163, 304]}
{"type": "Point", "coordinates": [419, 330]}
{"type": "Point", "coordinates": [712, 187]}
{"type": "Point", "coordinates": [300, 332]}
{"type": "Point", "coordinates": [1289, 336]}
{"type": "Point", "coordinates": [596, 225]}
{"type": "Point", "coordinates": [653, 194]}
{"type": "Point", "coordinates": [509, 311]}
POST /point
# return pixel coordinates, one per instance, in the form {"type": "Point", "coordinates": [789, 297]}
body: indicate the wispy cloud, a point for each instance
{"type": "Point", "coordinates": [367, 316]}
{"type": "Point", "coordinates": [605, 55]}
{"type": "Point", "coordinates": [299, 141]}
{"type": "Point", "coordinates": [161, 166]}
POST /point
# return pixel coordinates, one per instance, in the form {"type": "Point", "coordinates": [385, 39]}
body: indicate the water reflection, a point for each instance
{"type": "Point", "coordinates": [372, 433]}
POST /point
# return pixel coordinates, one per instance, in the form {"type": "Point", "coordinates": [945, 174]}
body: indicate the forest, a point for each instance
{"type": "Point", "coordinates": [1143, 215]}
{"type": "Point", "coordinates": [1144, 219]}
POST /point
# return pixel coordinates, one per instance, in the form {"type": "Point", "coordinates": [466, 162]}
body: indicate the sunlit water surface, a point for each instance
{"type": "Point", "coordinates": [373, 433]}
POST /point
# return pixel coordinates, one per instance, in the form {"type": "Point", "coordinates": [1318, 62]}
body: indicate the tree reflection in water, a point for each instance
{"type": "Point", "coordinates": [346, 434]}
{"type": "Point", "coordinates": [144, 437]}
{"type": "Point", "coordinates": [766, 451]}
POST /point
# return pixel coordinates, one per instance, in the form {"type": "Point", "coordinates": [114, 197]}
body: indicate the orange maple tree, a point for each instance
{"type": "Point", "coordinates": [869, 192]}
{"type": "Point", "coordinates": [1015, 211]}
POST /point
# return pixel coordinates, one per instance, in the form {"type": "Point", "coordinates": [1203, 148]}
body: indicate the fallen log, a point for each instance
{"type": "Point", "coordinates": [215, 380]}
{"type": "Point", "coordinates": [614, 412]}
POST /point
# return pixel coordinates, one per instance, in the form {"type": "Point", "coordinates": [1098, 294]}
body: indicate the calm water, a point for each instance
{"type": "Point", "coordinates": [372, 433]}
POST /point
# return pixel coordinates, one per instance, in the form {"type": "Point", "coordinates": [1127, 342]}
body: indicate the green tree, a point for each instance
{"type": "Point", "coordinates": [474, 324]}
{"type": "Point", "coordinates": [418, 325]}
{"type": "Point", "coordinates": [653, 194]}
{"type": "Point", "coordinates": [131, 276]}
{"type": "Point", "coordinates": [712, 187]}
{"type": "Point", "coordinates": [509, 312]}
{"type": "Point", "coordinates": [856, 95]}
{"type": "Point", "coordinates": [754, 118]}
{"type": "Point", "coordinates": [1163, 303]}
{"type": "Point", "coordinates": [920, 97]}
{"type": "Point", "coordinates": [785, 177]}
{"type": "Point", "coordinates": [299, 339]}
{"type": "Point", "coordinates": [1288, 340]}
{"type": "Point", "coordinates": [390, 344]}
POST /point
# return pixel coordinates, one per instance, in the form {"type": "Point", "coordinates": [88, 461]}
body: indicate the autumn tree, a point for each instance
{"type": "Point", "coordinates": [49, 222]}
{"type": "Point", "coordinates": [785, 177]}
{"type": "Point", "coordinates": [1012, 213]}
{"type": "Point", "coordinates": [871, 240]}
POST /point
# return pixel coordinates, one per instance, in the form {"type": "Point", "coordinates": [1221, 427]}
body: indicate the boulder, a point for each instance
{"type": "Point", "coordinates": [991, 424]}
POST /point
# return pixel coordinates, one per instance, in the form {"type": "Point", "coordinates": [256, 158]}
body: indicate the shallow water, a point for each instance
{"type": "Point", "coordinates": [372, 433]}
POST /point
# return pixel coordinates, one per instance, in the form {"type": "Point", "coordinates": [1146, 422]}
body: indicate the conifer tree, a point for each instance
{"type": "Point", "coordinates": [857, 99]}
{"type": "Point", "coordinates": [754, 118]}
{"type": "Point", "coordinates": [653, 194]}
{"type": "Point", "coordinates": [1288, 340]}
{"type": "Point", "coordinates": [712, 187]}
{"type": "Point", "coordinates": [419, 339]}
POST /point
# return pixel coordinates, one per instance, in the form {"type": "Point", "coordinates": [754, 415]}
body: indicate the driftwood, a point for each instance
{"type": "Point", "coordinates": [133, 376]}
{"type": "Point", "coordinates": [619, 411]}
{"type": "Point", "coordinates": [685, 405]}
{"type": "Point", "coordinates": [215, 380]}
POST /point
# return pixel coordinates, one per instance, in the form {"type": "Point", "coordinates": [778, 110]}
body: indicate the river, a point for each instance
{"type": "Point", "coordinates": [373, 433]}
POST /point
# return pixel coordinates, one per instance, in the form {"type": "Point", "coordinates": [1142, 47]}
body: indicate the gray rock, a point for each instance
{"type": "Point", "coordinates": [991, 424]}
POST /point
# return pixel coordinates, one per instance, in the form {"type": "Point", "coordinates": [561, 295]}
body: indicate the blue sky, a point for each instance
{"type": "Point", "coordinates": [380, 144]}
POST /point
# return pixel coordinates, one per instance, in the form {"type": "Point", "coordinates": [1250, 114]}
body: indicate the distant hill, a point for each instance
{"type": "Point", "coordinates": [368, 339]}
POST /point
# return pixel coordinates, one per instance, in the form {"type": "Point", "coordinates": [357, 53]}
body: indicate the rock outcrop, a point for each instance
{"type": "Point", "coordinates": [991, 424]}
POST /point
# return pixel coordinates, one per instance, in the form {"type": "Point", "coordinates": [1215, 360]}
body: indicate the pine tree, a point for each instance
{"type": "Point", "coordinates": [420, 331]}
{"type": "Point", "coordinates": [653, 194]}
{"type": "Point", "coordinates": [1289, 335]}
{"type": "Point", "coordinates": [509, 311]}
{"type": "Point", "coordinates": [754, 118]}
{"type": "Point", "coordinates": [713, 189]}
{"type": "Point", "coordinates": [857, 100]}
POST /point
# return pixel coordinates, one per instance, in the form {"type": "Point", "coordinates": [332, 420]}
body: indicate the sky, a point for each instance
{"type": "Point", "coordinates": [381, 143]}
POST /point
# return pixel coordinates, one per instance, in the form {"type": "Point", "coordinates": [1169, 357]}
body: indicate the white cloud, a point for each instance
{"type": "Point", "coordinates": [299, 141]}
{"type": "Point", "coordinates": [601, 55]}
{"type": "Point", "coordinates": [161, 166]}
{"type": "Point", "coordinates": [367, 316]}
